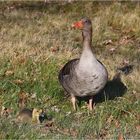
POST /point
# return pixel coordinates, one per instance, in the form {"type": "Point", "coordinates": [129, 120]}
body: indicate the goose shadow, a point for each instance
{"type": "Point", "coordinates": [113, 89]}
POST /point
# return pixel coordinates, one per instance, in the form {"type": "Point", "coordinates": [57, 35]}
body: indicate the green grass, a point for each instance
{"type": "Point", "coordinates": [36, 41]}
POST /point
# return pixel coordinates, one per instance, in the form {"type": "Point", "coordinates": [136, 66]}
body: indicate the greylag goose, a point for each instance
{"type": "Point", "coordinates": [85, 76]}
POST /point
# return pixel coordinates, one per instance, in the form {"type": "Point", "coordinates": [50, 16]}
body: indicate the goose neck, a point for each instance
{"type": "Point", "coordinates": [87, 39]}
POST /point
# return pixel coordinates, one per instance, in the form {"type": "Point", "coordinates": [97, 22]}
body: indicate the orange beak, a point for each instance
{"type": "Point", "coordinates": [78, 25]}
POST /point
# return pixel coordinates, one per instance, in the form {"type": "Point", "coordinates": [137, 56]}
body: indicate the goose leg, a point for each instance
{"type": "Point", "coordinates": [90, 105]}
{"type": "Point", "coordinates": [73, 100]}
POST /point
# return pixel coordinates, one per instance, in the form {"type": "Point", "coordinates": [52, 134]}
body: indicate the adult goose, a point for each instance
{"type": "Point", "coordinates": [85, 76]}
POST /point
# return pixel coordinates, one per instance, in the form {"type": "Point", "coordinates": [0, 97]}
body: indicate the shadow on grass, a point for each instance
{"type": "Point", "coordinates": [113, 89]}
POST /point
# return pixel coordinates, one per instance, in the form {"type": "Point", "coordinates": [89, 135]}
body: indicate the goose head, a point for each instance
{"type": "Point", "coordinates": [84, 24]}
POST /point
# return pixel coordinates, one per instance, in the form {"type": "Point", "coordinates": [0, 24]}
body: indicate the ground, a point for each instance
{"type": "Point", "coordinates": [36, 40]}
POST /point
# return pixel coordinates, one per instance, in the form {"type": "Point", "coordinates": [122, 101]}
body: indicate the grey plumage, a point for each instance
{"type": "Point", "coordinates": [66, 75]}
{"type": "Point", "coordinates": [85, 76]}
